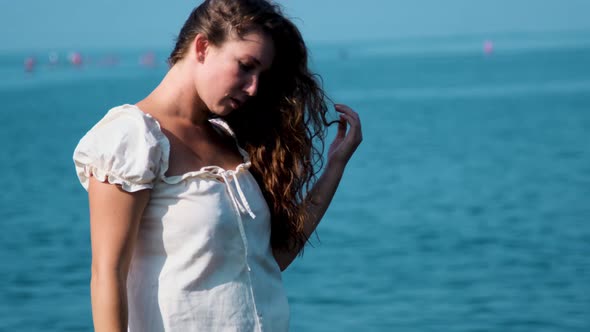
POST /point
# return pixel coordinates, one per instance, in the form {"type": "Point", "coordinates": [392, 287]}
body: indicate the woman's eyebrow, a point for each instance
{"type": "Point", "coordinates": [257, 62]}
{"type": "Point", "coordinates": [255, 59]}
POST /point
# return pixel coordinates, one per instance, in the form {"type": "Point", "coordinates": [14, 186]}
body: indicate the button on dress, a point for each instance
{"type": "Point", "coordinates": [203, 260]}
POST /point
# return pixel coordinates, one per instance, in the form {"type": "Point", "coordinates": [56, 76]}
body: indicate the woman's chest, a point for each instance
{"type": "Point", "coordinates": [204, 208]}
{"type": "Point", "coordinates": [200, 149]}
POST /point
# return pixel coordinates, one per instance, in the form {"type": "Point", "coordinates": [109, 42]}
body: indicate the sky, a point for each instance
{"type": "Point", "coordinates": [68, 24]}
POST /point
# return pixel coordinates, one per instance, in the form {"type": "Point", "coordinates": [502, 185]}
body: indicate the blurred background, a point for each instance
{"type": "Point", "coordinates": [466, 208]}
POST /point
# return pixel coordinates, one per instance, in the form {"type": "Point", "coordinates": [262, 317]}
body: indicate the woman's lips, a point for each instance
{"type": "Point", "coordinates": [235, 103]}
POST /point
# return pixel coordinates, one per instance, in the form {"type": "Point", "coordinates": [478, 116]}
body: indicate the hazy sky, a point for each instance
{"type": "Point", "coordinates": [46, 24]}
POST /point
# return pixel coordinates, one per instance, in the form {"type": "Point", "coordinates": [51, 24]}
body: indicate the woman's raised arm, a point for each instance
{"type": "Point", "coordinates": [114, 219]}
{"type": "Point", "coordinates": [340, 152]}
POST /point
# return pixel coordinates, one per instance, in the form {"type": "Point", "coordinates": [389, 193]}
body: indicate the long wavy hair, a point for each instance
{"type": "Point", "coordinates": [283, 127]}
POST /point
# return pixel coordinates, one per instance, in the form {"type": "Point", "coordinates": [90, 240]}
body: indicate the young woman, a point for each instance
{"type": "Point", "coordinates": [204, 191]}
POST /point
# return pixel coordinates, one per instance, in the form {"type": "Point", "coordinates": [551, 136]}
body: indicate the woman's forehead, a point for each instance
{"type": "Point", "coordinates": [253, 44]}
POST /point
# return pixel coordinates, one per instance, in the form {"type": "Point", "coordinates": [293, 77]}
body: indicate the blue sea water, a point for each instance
{"type": "Point", "coordinates": [466, 208]}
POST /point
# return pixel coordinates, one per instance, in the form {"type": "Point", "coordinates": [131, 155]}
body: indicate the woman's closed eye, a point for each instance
{"type": "Point", "coordinates": [246, 67]}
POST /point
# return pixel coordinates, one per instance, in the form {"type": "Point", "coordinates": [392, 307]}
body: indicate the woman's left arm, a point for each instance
{"type": "Point", "coordinates": [339, 153]}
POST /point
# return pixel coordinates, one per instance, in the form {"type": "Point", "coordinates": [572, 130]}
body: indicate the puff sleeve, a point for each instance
{"type": "Point", "coordinates": [123, 148]}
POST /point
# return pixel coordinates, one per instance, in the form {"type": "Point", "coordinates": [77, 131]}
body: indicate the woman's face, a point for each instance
{"type": "Point", "coordinates": [229, 74]}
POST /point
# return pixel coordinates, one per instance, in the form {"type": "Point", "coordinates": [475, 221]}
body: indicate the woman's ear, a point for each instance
{"type": "Point", "coordinates": [200, 46]}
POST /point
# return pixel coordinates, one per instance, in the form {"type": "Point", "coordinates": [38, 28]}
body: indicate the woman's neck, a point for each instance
{"type": "Point", "coordinates": [176, 97]}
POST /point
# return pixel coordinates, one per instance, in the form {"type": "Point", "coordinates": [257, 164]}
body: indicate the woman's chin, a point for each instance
{"type": "Point", "coordinates": [222, 111]}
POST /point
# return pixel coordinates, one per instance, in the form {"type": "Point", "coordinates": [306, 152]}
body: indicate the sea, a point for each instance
{"type": "Point", "coordinates": [466, 207]}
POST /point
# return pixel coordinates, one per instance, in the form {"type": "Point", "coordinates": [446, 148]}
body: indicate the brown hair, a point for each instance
{"type": "Point", "coordinates": [283, 127]}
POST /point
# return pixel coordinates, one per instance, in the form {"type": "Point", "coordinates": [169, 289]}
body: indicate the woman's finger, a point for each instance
{"type": "Point", "coordinates": [342, 124]}
{"type": "Point", "coordinates": [345, 110]}
{"type": "Point", "coordinates": [354, 122]}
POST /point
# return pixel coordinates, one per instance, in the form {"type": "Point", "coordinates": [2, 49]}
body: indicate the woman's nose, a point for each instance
{"type": "Point", "coordinates": [252, 86]}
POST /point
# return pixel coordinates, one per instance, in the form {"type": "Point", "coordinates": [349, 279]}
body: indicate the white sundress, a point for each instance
{"type": "Point", "coordinates": [203, 260]}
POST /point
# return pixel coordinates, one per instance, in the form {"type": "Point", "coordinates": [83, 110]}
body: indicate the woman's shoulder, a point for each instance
{"type": "Point", "coordinates": [126, 147]}
{"type": "Point", "coordinates": [129, 117]}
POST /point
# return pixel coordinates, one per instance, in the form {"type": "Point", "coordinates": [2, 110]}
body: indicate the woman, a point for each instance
{"type": "Point", "coordinates": [204, 191]}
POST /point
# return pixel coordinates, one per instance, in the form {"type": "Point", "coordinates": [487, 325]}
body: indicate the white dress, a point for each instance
{"type": "Point", "coordinates": [203, 260]}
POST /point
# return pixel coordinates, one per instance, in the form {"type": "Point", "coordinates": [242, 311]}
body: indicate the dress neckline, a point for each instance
{"type": "Point", "coordinates": [207, 171]}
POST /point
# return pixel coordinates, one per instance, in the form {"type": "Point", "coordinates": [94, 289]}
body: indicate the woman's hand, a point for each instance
{"type": "Point", "coordinates": [345, 143]}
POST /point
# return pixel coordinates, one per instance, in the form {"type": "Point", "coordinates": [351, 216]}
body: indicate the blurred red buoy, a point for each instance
{"type": "Point", "coordinates": [148, 60]}
{"type": "Point", "coordinates": [488, 47]}
{"type": "Point", "coordinates": [75, 59]}
{"type": "Point", "coordinates": [30, 64]}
